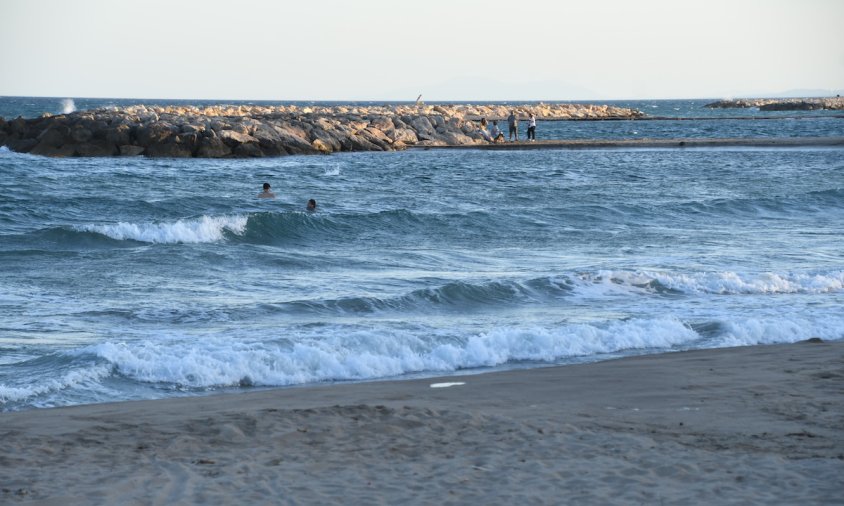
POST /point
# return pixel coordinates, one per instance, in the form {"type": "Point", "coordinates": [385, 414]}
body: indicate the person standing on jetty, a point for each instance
{"type": "Point", "coordinates": [532, 128]}
{"type": "Point", "coordinates": [266, 194]}
{"type": "Point", "coordinates": [513, 123]}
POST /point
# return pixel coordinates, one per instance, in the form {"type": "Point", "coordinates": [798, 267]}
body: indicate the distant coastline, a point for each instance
{"type": "Point", "coordinates": [781, 104]}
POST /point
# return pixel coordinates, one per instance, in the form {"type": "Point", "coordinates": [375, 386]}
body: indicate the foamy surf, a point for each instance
{"type": "Point", "coordinates": [82, 378]}
{"type": "Point", "coordinates": [201, 230]}
{"type": "Point", "coordinates": [353, 353]}
{"type": "Point", "coordinates": [717, 283]}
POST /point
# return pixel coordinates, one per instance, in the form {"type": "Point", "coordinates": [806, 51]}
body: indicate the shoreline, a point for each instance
{"type": "Point", "coordinates": [761, 142]}
{"type": "Point", "coordinates": [749, 425]}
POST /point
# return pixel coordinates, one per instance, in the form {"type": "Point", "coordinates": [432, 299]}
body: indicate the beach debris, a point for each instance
{"type": "Point", "coordinates": [447, 385]}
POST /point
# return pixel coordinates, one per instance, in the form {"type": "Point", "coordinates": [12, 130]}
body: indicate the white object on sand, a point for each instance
{"type": "Point", "coordinates": [446, 385]}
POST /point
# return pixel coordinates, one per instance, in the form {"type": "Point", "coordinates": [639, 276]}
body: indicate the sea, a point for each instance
{"type": "Point", "coordinates": [135, 278]}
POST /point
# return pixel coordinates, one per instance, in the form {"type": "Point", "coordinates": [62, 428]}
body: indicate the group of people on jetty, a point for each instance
{"type": "Point", "coordinates": [494, 134]}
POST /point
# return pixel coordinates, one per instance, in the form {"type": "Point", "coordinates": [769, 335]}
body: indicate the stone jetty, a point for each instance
{"type": "Point", "coordinates": [256, 131]}
{"type": "Point", "coordinates": [781, 104]}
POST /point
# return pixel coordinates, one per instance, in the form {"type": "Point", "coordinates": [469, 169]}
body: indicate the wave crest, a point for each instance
{"type": "Point", "coordinates": [200, 230]}
{"type": "Point", "coordinates": [348, 353]}
{"type": "Point", "coordinates": [727, 282]}
{"type": "Point", "coordinates": [354, 354]}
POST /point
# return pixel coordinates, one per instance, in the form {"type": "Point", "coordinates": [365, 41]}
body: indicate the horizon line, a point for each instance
{"type": "Point", "coordinates": [423, 101]}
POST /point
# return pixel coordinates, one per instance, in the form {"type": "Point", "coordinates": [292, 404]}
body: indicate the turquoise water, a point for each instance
{"type": "Point", "coordinates": [131, 278]}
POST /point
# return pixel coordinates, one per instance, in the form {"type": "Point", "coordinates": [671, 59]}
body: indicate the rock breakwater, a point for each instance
{"type": "Point", "coordinates": [258, 131]}
{"type": "Point", "coordinates": [781, 104]}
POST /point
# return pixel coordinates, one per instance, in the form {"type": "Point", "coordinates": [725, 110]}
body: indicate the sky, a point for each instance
{"type": "Point", "coordinates": [462, 50]}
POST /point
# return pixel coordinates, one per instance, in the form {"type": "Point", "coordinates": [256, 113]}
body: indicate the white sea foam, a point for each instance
{"type": "Point", "coordinates": [336, 353]}
{"type": "Point", "coordinates": [49, 384]}
{"type": "Point", "coordinates": [334, 171]}
{"type": "Point", "coordinates": [720, 283]}
{"type": "Point", "coordinates": [200, 230]}
{"type": "Point", "coordinates": [68, 106]}
{"type": "Point", "coordinates": [753, 331]}
{"type": "Point", "coordinates": [343, 354]}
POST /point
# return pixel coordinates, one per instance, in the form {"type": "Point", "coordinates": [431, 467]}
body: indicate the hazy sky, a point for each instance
{"type": "Point", "coordinates": [443, 49]}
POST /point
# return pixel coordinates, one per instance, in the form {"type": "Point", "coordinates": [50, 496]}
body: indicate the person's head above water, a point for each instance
{"type": "Point", "coordinates": [266, 194]}
{"type": "Point", "coordinates": [311, 205]}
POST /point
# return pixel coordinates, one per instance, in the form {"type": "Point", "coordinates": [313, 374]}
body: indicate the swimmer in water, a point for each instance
{"type": "Point", "coordinates": [266, 194]}
{"type": "Point", "coordinates": [311, 205]}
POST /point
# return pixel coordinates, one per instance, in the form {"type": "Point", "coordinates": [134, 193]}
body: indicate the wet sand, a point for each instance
{"type": "Point", "coordinates": [754, 425]}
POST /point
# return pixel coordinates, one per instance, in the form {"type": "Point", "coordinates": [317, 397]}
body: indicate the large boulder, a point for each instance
{"type": "Point", "coordinates": [321, 146]}
{"type": "Point", "coordinates": [17, 127]}
{"type": "Point", "coordinates": [270, 142]}
{"type": "Point", "coordinates": [54, 136]}
{"type": "Point", "coordinates": [21, 145]}
{"type": "Point", "coordinates": [170, 149]}
{"type": "Point", "coordinates": [248, 150]}
{"type": "Point", "coordinates": [96, 148]}
{"type": "Point", "coordinates": [423, 127]}
{"type": "Point", "coordinates": [42, 149]}
{"type": "Point", "coordinates": [456, 138]}
{"type": "Point", "coordinates": [119, 134]}
{"type": "Point", "coordinates": [155, 133]}
{"type": "Point", "coordinates": [81, 134]}
{"type": "Point", "coordinates": [381, 123]}
{"type": "Point", "coordinates": [361, 143]}
{"type": "Point", "coordinates": [191, 128]}
{"type": "Point", "coordinates": [234, 138]}
{"type": "Point", "coordinates": [294, 139]}
{"type": "Point", "coordinates": [404, 135]}
{"type": "Point", "coordinates": [129, 150]}
{"type": "Point", "coordinates": [190, 140]}
{"type": "Point", "coordinates": [212, 147]}
{"type": "Point", "coordinates": [324, 141]}
{"type": "Point", "coordinates": [55, 142]}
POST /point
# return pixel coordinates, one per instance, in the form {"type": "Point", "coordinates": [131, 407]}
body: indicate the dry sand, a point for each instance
{"type": "Point", "coordinates": [757, 425]}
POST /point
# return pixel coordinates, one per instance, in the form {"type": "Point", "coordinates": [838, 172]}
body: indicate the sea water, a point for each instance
{"type": "Point", "coordinates": [135, 278]}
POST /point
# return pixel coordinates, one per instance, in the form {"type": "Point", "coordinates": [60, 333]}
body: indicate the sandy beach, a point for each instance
{"type": "Point", "coordinates": [756, 425]}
